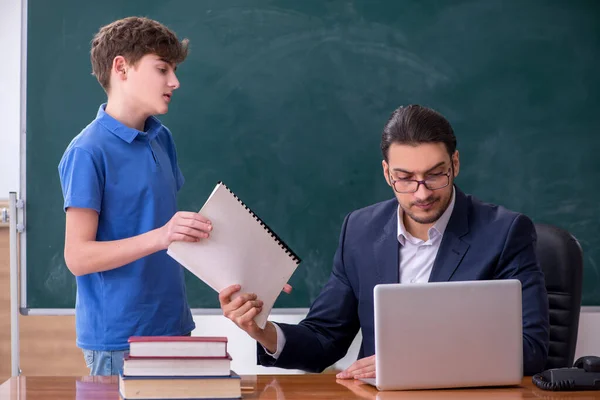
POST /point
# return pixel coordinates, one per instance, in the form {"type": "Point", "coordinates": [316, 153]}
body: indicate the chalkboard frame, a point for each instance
{"type": "Point", "coordinates": [23, 253]}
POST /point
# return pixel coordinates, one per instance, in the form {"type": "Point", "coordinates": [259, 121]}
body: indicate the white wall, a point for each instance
{"type": "Point", "coordinates": [588, 339]}
{"type": "Point", "coordinates": [241, 347]}
{"type": "Point", "coordinates": [10, 76]}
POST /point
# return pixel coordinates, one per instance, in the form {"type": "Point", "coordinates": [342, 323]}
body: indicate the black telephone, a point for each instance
{"type": "Point", "coordinates": [585, 375]}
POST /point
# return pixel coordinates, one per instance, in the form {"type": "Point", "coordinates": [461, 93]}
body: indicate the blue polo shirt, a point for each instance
{"type": "Point", "coordinates": [131, 179]}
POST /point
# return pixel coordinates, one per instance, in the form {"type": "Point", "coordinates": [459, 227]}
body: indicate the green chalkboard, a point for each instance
{"type": "Point", "coordinates": [284, 101]}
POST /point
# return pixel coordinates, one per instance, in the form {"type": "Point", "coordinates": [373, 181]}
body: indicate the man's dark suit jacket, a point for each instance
{"type": "Point", "coordinates": [481, 242]}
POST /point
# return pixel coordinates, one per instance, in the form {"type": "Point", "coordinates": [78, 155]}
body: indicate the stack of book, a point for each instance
{"type": "Point", "coordinates": [178, 367]}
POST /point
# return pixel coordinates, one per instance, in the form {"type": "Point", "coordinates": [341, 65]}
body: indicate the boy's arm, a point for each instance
{"type": "Point", "coordinates": [84, 255]}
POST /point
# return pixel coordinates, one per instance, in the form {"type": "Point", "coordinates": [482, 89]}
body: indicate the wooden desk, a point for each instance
{"type": "Point", "coordinates": [272, 387]}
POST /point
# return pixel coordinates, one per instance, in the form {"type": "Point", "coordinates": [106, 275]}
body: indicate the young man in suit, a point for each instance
{"type": "Point", "coordinates": [430, 232]}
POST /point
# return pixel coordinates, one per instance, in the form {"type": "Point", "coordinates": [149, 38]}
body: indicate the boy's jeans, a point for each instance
{"type": "Point", "coordinates": [103, 362]}
{"type": "Point", "coordinates": [106, 363]}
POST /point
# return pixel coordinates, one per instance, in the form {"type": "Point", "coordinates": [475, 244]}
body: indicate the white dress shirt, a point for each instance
{"type": "Point", "coordinates": [416, 257]}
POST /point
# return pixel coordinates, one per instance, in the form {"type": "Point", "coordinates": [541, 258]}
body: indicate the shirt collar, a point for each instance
{"type": "Point", "coordinates": [152, 126]}
{"type": "Point", "coordinates": [437, 229]}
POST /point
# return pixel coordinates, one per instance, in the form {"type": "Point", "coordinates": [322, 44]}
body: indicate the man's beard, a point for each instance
{"type": "Point", "coordinates": [430, 219]}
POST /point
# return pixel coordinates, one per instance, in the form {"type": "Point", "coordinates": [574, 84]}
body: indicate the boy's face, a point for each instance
{"type": "Point", "coordinates": [149, 84]}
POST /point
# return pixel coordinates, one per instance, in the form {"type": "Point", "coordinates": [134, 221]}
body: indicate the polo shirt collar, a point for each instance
{"type": "Point", "coordinates": [152, 126]}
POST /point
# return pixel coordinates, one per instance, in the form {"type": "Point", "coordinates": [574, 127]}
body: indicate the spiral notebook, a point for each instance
{"type": "Point", "coordinates": [241, 249]}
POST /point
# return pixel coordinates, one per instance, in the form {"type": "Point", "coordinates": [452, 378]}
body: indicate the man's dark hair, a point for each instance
{"type": "Point", "coordinates": [415, 124]}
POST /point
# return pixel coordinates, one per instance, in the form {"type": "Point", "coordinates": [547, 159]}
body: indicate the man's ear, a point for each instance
{"type": "Point", "coordinates": [456, 163]}
{"type": "Point", "coordinates": [386, 172]}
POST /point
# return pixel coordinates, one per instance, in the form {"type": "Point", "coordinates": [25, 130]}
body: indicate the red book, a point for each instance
{"type": "Point", "coordinates": [177, 346]}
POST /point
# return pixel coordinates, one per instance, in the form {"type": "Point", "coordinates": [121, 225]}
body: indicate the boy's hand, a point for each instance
{"type": "Point", "coordinates": [186, 227]}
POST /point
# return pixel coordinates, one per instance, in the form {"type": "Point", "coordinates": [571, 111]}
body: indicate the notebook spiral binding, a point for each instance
{"type": "Point", "coordinates": [279, 241]}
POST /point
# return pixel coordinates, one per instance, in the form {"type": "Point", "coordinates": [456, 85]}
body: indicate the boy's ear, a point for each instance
{"type": "Point", "coordinates": [119, 67]}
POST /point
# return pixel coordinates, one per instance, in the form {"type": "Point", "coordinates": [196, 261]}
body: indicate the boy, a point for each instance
{"type": "Point", "coordinates": [120, 178]}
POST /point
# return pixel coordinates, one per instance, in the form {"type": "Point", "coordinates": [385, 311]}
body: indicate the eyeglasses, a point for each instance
{"type": "Point", "coordinates": [432, 182]}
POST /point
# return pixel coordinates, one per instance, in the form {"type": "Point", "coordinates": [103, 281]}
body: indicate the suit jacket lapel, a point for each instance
{"type": "Point", "coordinates": [386, 250]}
{"type": "Point", "coordinates": [453, 248]}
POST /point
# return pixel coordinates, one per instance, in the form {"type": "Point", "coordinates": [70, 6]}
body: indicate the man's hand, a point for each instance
{"type": "Point", "coordinates": [184, 226]}
{"type": "Point", "coordinates": [242, 310]}
{"type": "Point", "coordinates": [363, 368]}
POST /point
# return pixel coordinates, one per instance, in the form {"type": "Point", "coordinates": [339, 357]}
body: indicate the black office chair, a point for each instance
{"type": "Point", "coordinates": [561, 259]}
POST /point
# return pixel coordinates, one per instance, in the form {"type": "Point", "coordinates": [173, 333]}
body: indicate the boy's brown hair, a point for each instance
{"type": "Point", "coordinates": [133, 38]}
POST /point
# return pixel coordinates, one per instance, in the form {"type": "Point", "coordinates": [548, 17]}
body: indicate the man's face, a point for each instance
{"type": "Point", "coordinates": [150, 85]}
{"type": "Point", "coordinates": [426, 161]}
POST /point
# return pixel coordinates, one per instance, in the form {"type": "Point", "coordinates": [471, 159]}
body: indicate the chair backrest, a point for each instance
{"type": "Point", "coordinates": [561, 259]}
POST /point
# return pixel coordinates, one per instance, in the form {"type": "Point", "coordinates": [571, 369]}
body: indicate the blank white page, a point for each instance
{"type": "Point", "coordinates": [240, 250]}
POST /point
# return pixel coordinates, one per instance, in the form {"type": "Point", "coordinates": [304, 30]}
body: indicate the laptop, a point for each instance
{"type": "Point", "coordinates": [448, 335]}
